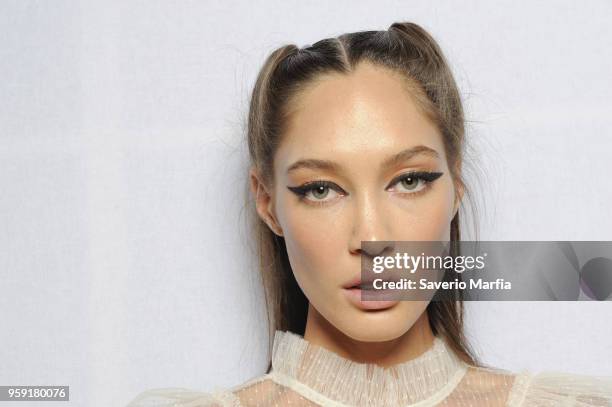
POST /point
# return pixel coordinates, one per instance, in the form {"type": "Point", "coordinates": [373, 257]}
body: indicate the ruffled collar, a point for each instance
{"type": "Point", "coordinates": [330, 378]}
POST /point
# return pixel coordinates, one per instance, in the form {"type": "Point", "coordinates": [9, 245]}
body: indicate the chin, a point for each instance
{"type": "Point", "coordinates": [380, 326]}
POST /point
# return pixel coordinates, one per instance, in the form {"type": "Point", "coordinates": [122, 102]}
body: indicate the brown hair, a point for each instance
{"type": "Point", "coordinates": [405, 48]}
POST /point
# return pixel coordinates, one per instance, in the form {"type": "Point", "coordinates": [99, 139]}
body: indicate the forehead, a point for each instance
{"type": "Point", "coordinates": [366, 113]}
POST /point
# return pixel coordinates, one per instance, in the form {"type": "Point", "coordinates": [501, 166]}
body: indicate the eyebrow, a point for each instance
{"type": "Point", "coordinates": [395, 159]}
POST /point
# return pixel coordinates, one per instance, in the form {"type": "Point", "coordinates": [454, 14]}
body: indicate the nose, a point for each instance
{"type": "Point", "coordinates": [372, 225]}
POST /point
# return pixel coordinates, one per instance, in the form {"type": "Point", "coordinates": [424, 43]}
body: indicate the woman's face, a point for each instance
{"type": "Point", "coordinates": [353, 136]}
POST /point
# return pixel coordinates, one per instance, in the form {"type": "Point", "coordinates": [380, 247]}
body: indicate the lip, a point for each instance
{"type": "Point", "coordinates": [354, 294]}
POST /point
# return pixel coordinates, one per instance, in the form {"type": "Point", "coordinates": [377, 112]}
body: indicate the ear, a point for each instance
{"type": "Point", "coordinates": [264, 202]}
{"type": "Point", "coordinates": [458, 197]}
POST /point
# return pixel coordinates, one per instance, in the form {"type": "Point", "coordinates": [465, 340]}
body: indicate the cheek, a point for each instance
{"type": "Point", "coordinates": [313, 241]}
{"type": "Point", "coordinates": [429, 218]}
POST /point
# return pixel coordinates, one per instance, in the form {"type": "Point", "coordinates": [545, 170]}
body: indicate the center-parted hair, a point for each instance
{"type": "Point", "coordinates": [405, 49]}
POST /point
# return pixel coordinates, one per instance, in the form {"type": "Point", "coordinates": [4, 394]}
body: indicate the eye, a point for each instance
{"type": "Point", "coordinates": [318, 191]}
{"type": "Point", "coordinates": [414, 182]}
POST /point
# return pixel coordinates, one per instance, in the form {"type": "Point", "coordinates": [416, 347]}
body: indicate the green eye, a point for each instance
{"type": "Point", "coordinates": [414, 182]}
{"type": "Point", "coordinates": [410, 183]}
{"type": "Point", "coordinates": [320, 192]}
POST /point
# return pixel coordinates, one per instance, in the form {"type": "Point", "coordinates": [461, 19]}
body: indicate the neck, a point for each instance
{"type": "Point", "coordinates": [417, 340]}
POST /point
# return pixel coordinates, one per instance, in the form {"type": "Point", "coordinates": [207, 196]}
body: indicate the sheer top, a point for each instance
{"type": "Point", "coordinates": [304, 374]}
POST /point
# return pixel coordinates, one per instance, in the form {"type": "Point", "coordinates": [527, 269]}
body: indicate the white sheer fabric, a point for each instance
{"type": "Point", "coordinates": [307, 375]}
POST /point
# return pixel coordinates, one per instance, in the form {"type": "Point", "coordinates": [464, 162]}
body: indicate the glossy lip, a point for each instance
{"type": "Point", "coordinates": [353, 293]}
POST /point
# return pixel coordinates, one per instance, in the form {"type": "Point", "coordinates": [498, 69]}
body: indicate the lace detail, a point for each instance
{"type": "Point", "coordinates": [548, 389]}
{"type": "Point", "coordinates": [435, 372]}
{"type": "Point", "coordinates": [175, 397]}
{"type": "Point", "coordinates": [521, 384]}
{"type": "Point", "coordinates": [305, 375]}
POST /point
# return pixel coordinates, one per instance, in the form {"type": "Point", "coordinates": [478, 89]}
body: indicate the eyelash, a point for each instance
{"type": "Point", "coordinates": [426, 176]}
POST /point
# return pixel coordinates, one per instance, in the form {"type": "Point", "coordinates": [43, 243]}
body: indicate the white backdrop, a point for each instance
{"type": "Point", "coordinates": [122, 166]}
